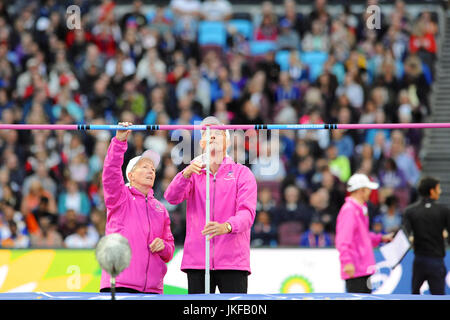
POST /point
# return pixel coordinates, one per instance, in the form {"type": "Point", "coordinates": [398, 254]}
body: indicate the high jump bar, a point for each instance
{"type": "Point", "coordinates": [85, 127]}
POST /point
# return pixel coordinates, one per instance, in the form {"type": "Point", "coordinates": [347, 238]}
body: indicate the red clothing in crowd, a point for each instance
{"type": "Point", "coordinates": [426, 42]}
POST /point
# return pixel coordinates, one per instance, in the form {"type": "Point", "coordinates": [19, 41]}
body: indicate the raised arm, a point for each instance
{"type": "Point", "coordinates": [112, 177]}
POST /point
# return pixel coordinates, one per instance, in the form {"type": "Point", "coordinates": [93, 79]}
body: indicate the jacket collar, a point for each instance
{"type": "Point", "coordinates": [362, 208]}
{"type": "Point", "coordinates": [355, 203]}
{"type": "Point", "coordinates": [428, 200]}
{"type": "Point", "coordinates": [136, 192]}
{"type": "Point", "coordinates": [226, 160]}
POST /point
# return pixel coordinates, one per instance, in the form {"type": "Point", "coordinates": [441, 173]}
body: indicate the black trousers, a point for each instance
{"type": "Point", "coordinates": [358, 285]}
{"type": "Point", "coordinates": [429, 269]}
{"type": "Point", "coordinates": [228, 281]}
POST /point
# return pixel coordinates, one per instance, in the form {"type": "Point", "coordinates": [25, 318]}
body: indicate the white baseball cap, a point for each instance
{"type": "Point", "coordinates": [358, 181]}
{"type": "Point", "coordinates": [149, 154]}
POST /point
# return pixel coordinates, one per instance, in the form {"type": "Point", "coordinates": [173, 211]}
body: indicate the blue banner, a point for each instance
{"type": "Point", "coordinates": [399, 280]}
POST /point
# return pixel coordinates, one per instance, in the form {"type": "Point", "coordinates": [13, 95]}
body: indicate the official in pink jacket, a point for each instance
{"type": "Point", "coordinates": [354, 241]}
{"type": "Point", "coordinates": [133, 212]}
{"type": "Point", "coordinates": [233, 195]}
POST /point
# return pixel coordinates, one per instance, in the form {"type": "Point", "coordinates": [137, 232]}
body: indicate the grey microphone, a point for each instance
{"type": "Point", "coordinates": [113, 253]}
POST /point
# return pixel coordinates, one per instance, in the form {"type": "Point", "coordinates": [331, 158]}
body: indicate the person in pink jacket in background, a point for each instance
{"type": "Point", "coordinates": [133, 212]}
{"type": "Point", "coordinates": [233, 194]}
{"type": "Point", "coordinates": [354, 241]}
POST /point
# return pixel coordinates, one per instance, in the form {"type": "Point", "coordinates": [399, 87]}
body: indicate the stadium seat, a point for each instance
{"type": "Point", "coordinates": [212, 33]}
{"type": "Point", "coordinates": [315, 61]}
{"type": "Point", "coordinates": [258, 48]}
{"type": "Point", "coordinates": [244, 27]}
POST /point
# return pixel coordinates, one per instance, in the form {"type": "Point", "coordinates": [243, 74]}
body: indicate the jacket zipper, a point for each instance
{"type": "Point", "coordinates": [148, 260]}
{"type": "Point", "coordinates": [214, 198]}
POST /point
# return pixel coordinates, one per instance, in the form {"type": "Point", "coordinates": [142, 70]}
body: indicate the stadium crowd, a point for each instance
{"type": "Point", "coordinates": [154, 66]}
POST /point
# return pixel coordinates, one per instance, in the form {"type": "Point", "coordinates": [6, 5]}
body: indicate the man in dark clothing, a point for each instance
{"type": "Point", "coordinates": [425, 222]}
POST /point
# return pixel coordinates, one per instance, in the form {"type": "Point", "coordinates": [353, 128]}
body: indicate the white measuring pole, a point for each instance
{"type": "Point", "coordinates": [208, 158]}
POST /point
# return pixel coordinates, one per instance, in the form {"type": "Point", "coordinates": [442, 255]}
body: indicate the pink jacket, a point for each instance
{"type": "Point", "coordinates": [354, 241]}
{"type": "Point", "coordinates": [138, 218]}
{"type": "Point", "coordinates": [233, 194]}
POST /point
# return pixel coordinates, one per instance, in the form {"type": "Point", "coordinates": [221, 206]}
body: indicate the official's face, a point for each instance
{"type": "Point", "coordinates": [436, 192]}
{"type": "Point", "coordinates": [366, 193]}
{"type": "Point", "coordinates": [143, 173]}
{"type": "Point", "coordinates": [218, 141]}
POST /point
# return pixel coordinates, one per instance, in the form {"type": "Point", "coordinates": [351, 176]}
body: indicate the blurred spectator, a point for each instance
{"type": "Point", "coordinates": [81, 238]}
{"type": "Point", "coordinates": [101, 99]}
{"type": "Point", "coordinates": [32, 201]}
{"type": "Point", "coordinates": [187, 14]}
{"type": "Point", "coordinates": [313, 116]}
{"type": "Point", "coordinates": [391, 217]}
{"type": "Point", "coordinates": [264, 233]}
{"type": "Point", "coordinates": [7, 195]}
{"type": "Point", "coordinates": [265, 200]}
{"type": "Point", "coordinates": [132, 100]}
{"type": "Point", "coordinates": [288, 39]}
{"type": "Point", "coordinates": [267, 29]}
{"type": "Point", "coordinates": [317, 39]}
{"type": "Point", "coordinates": [149, 66]}
{"type": "Point", "coordinates": [13, 230]}
{"type": "Point", "coordinates": [422, 41]}
{"type": "Point", "coordinates": [377, 225]}
{"type": "Point", "coordinates": [216, 10]}
{"type": "Point", "coordinates": [96, 160]}
{"type": "Point", "coordinates": [344, 143]}
{"type": "Point", "coordinates": [43, 209]}
{"type": "Point", "coordinates": [319, 12]}
{"type": "Point", "coordinates": [13, 238]}
{"type": "Point", "coordinates": [323, 208]}
{"type": "Point", "coordinates": [353, 90]}
{"type": "Point", "coordinates": [316, 237]}
{"type": "Point", "coordinates": [292, 209]}
{"type": "Point", "coordinates": [298, 71]}
{"type": "Point", "coordinates": [336, 189]}
{"type": "Point", "coordinates": [416, 83]}
{"type": "Point", "coordinates": [304, 172]}
{"type": "Point", "coordinates": [199, 86]}
{"type": "Point", "coordinates": [46, 236]}
{"type": "Point", "coordinates": [96, 228]}
{"type": "Point", "coordinates": [404, 160]}
{"type": "Point", "coordinates": [339, 164]}
{"type": "Point", "coordinates": [68, 223]}
{"type": "Point", "coordinates": [106, 33]}
{"type": "Point", "coordinates": [136, 16]}
{"type": "Point", "coordinates": [295, 18]}
{"type": "Point", "coordinates": [73, 198]}
{"type": "Point", "coordinates": [42, 175]}
{"type": "Point", "coordinates": [121, 60]}
{"type": "Point", "coordinates": [391, 177]}
{"type": "Point", "coordinates": [380, 117]}
{"type": "Point", "coordinates": [286, 90]}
